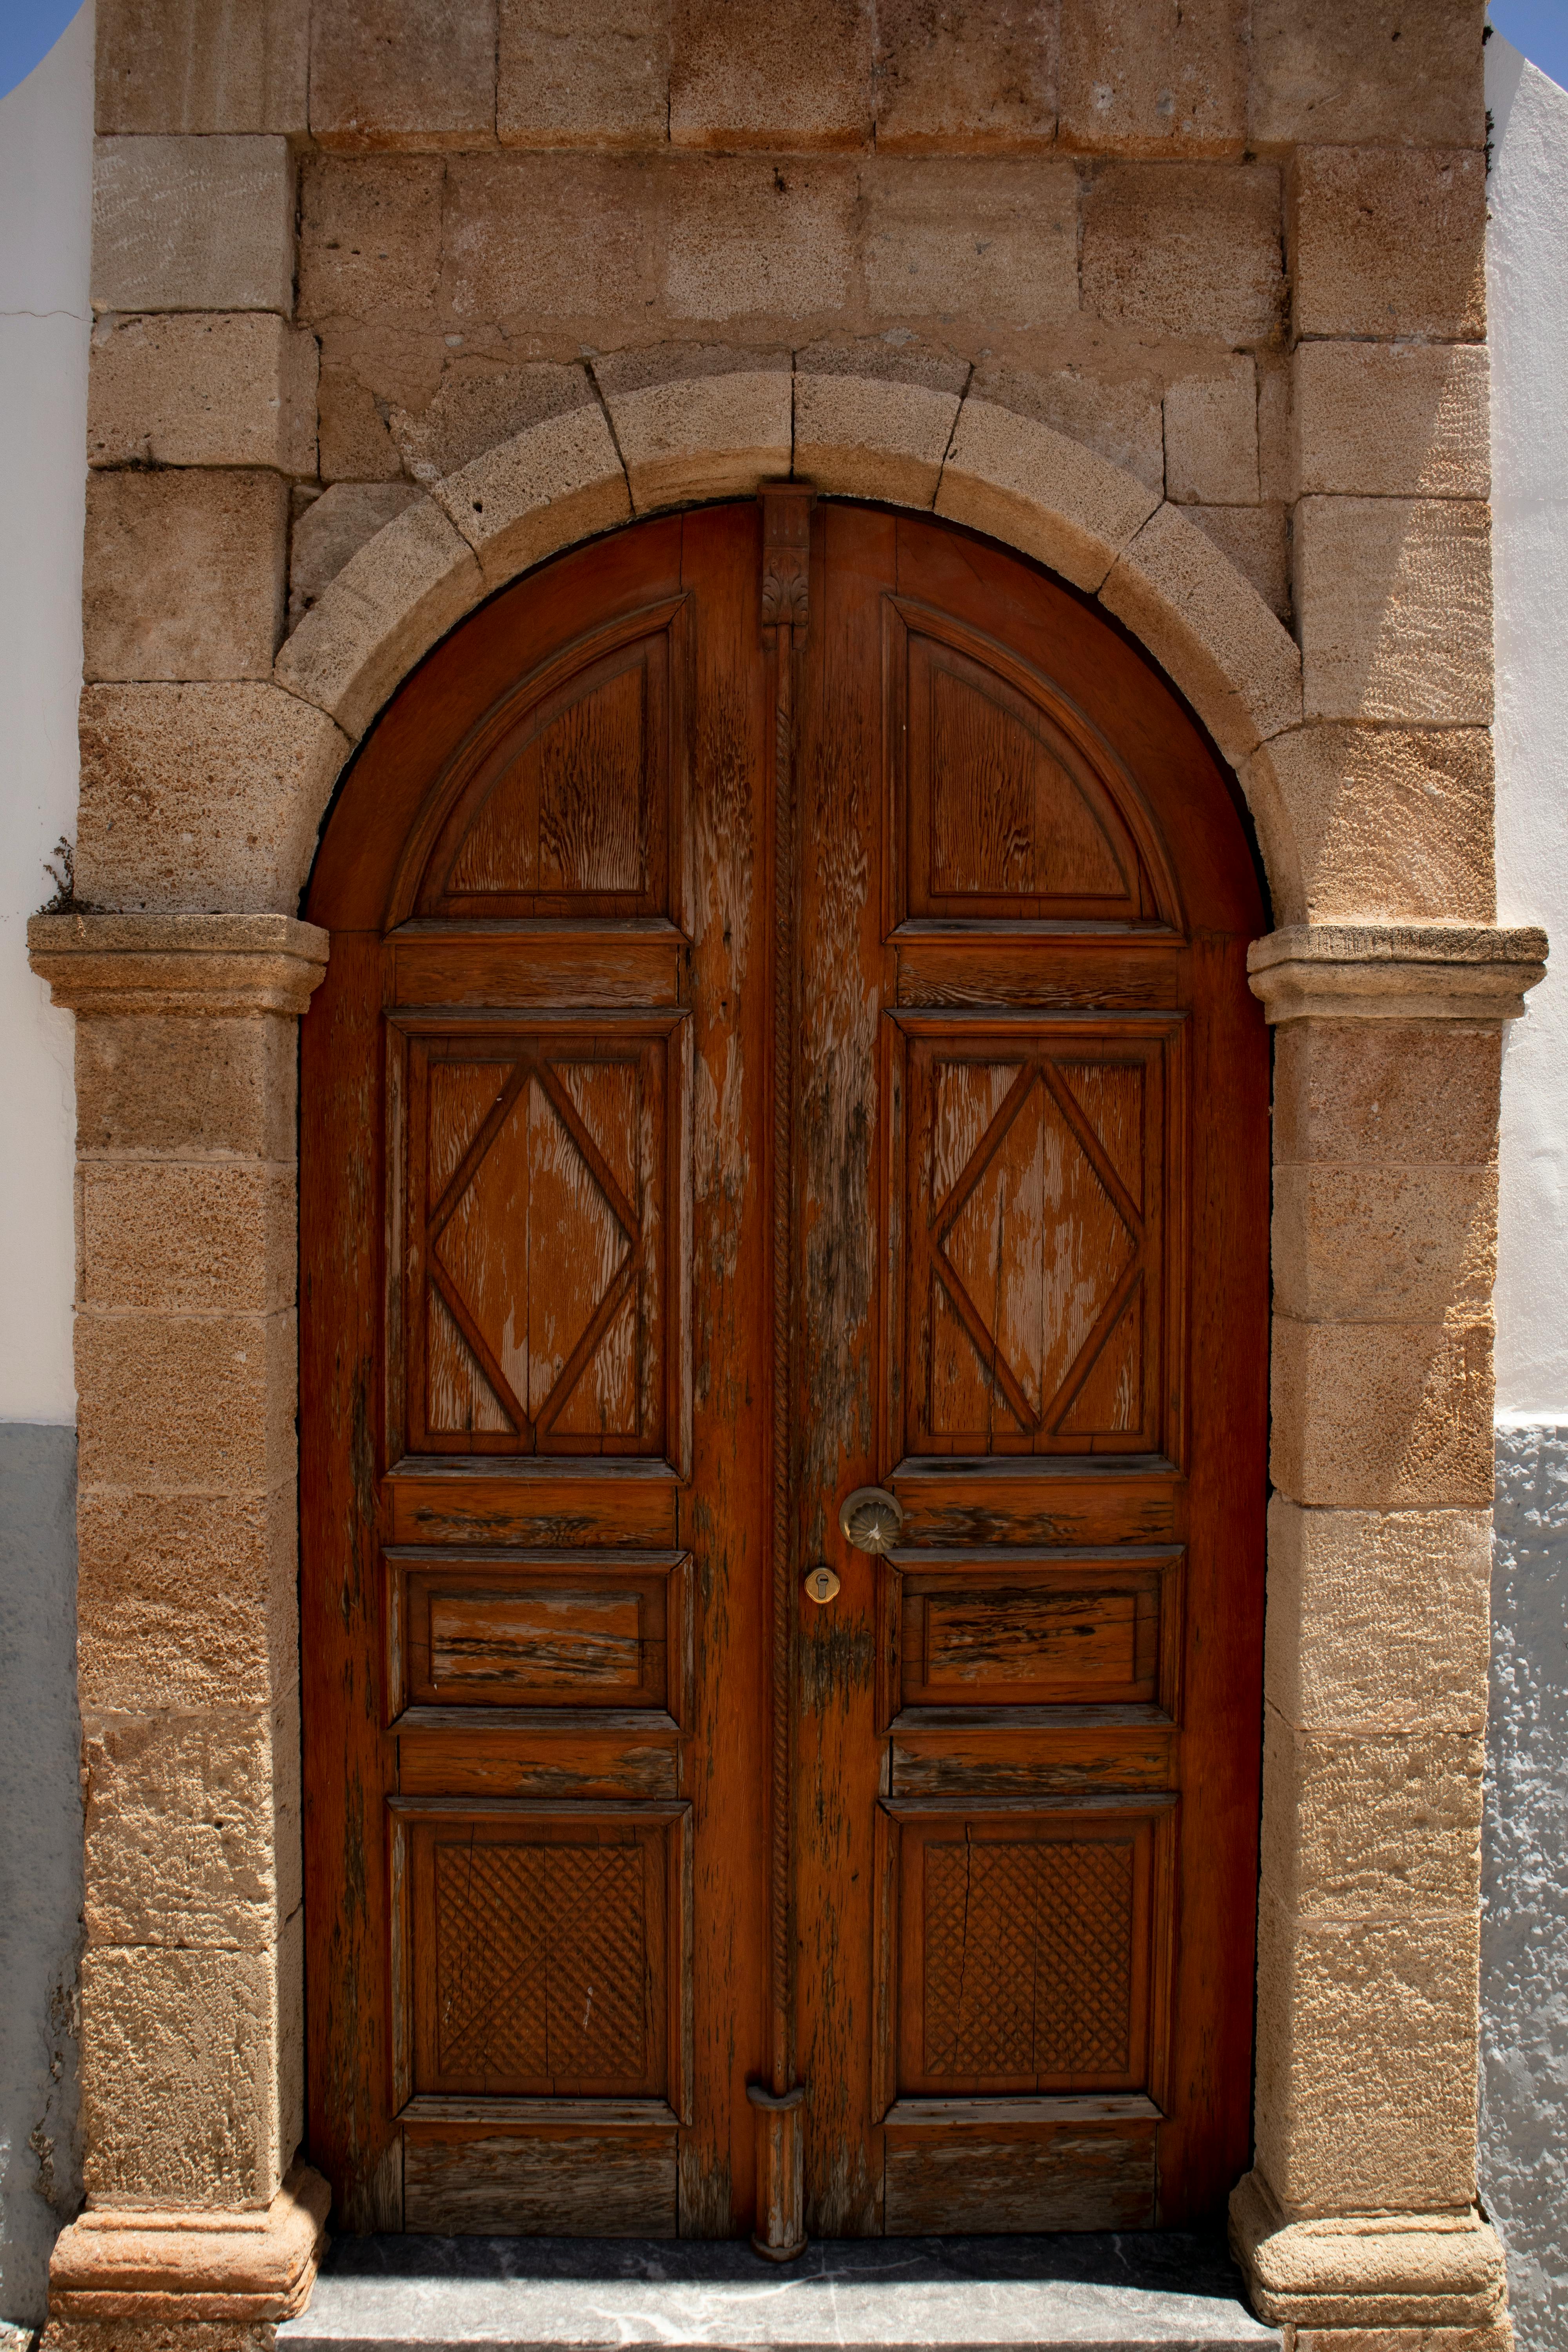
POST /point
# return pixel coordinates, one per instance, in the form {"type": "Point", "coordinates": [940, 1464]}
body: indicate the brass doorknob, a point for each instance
{"type": "Point", "coordinates": [871, 1518]}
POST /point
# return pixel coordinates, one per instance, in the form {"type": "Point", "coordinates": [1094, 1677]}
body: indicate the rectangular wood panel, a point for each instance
{"type": "Point", "coordinates": [561, 2183]}
{"type": "Point", "coordinates": [541, 1950]}
{"type": "Point", "coordinates": [987, 1628]}
{"type": "Point", "coordinates": [993, 2179]}
{"type": "Point", "coordinates": [564, 1752]}
{"type": "Point", "coordinates": [990, 1503]}
{"type": "Point", "coordinates": [948, 964]}
{"type": "Point", "coordinates": [965, 1753]}
{"type": "Point", "coordinates": [637, 961]}
{"type": "Point", "coordinates": [530, 1502]}
{"type": "Point", "coordinates": [561, 1630]}
{"type": "Point", "coordinates": [1030, 1949]}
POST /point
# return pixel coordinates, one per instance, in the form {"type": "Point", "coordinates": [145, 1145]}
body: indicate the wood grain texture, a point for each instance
{"type": "Point", "coordinates": [698, 1121]}
{"type": "Point", "coordinates": [349, 1765]}
{"type": "Point", "coordinates": [574, 2183]}
{"type": "Point", "coordinates": [627, 962]}
{"type": "Point", "coordinates": [568, 799]}
{"type": "Point", "coordinates": [562, 1629]}
{"type": "Point", "coordinates": [726, 1509]}
{"type": "Point", "coordinates": [843, 967]}
{"type": "Point", "coordinates": [1071, 2175]}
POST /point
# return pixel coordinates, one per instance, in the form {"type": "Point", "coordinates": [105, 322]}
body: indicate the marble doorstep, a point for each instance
{"type": "Point", "coordinates": [555, 2295]}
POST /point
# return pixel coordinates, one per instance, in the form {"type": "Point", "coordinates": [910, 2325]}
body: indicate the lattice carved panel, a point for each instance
{"type": "Point", "coordinates": [540, 1963]}
{"type": "Point", "coordinates": [540, 1950]}
{"type": "Point", "coordinates": [1028, 1958]}
{"type": "Point", "coordinates": [1037, 1206]}
{"type": "Point", "coordinates": [1030, 1948]}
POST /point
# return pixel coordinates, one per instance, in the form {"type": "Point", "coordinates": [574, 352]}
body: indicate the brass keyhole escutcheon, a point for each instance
{"type": "Point", "coordinates": [822, 1583]}
{"type": "Point", "coordinates": [871, 1518]}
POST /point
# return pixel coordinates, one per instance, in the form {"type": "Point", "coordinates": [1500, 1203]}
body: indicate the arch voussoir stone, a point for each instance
{"type": "Point", "coordinates": [1021, 482]}
{"type": "Point", "coordinates": [704, 421]}
{"type": "Point", "coordinates": [648, 431]}
{"type": "Point", "coordinates": [389, 606]}
{"type": "Point", "coordinates": [1209, 630]}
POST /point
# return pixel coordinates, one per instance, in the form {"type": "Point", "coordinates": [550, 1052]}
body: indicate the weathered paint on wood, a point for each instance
{"type": "Point", "coordinates": [1025, 1285]}
{"type": "Point", "coordinates": [579, 2183]}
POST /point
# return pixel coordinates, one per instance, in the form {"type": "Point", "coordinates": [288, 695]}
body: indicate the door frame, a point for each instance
{"type": "Point", "coordinates": [1336, 2130]}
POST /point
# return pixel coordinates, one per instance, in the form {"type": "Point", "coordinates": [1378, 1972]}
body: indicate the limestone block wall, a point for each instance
{"type": "Point", "coordinates": [188, 1647]}
{"type": "Point", "coordinates": [1238, 257]}
{"type": "Point", "coordinates": [391, 301]}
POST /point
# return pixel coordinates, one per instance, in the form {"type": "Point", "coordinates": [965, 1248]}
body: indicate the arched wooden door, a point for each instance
{"type": "Point", "coordinates": [773, 1048]}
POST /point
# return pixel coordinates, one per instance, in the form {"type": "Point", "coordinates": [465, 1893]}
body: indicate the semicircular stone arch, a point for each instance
{"type": "Point", "coordinates": [661, 437]}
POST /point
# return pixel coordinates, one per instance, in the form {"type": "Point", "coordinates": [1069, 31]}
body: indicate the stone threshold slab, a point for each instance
{"type": "Point", "coordinates": [1128, 2291]}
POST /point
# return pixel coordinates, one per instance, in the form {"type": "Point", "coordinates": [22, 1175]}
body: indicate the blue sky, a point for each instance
{"type": "Point", "coordinates": [1538, 28]}
{"type": "Point", "coordinates": [29, 29]}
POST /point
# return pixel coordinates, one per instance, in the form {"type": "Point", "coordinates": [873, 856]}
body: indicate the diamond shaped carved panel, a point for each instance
{"type": "Point", "coordinates": [1036, 1207]}
{"type": "Point", "coordinates": [539, 1179]}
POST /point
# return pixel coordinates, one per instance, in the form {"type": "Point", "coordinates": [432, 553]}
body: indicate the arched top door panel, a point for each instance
{"type": "Point", "coordinates": [566, 798]}
{"type": "Point", "coordinates": [1006, 799]}
{"type": "Point", "coordinates": [534, 765]}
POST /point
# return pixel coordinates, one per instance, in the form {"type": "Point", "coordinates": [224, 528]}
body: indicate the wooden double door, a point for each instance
{"type": "Point", "coordinates": [785, 1034]}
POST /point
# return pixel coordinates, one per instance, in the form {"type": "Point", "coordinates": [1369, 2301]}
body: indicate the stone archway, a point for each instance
{"type": "Point", "coordinates": [1360, 2212]}
{"type": "Point", "coordinates": [663, 434]}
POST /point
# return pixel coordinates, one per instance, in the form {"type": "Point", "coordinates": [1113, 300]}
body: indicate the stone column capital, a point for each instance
{"type": "Point", "coordinates": [189, 964]}
{"type": "Point", "coordinates": [1396, 971]}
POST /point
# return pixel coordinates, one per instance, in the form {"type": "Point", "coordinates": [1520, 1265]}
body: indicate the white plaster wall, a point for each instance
{"type": "Point", "coordinates": [45, 178]}
{"type": "Point", "coordinates": [1527, 285]}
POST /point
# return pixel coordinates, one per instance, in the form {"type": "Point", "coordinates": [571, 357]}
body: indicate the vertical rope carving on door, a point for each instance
{"type": "Point", "coordinates": [780, 2103]}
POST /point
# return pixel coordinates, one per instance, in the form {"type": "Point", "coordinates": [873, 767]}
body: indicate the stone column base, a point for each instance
{"type": "Point", "coordinates": [203, 2282]}
{"type": "Point", "coordinates": [1373, 2281]}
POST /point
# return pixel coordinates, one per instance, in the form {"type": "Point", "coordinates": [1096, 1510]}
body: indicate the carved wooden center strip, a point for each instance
{"type": "Point", "coordinates": [786, 574]}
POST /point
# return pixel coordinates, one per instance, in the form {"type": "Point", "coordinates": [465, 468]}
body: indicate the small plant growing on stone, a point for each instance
{"type": "Point", "coordinates": [61, 871]}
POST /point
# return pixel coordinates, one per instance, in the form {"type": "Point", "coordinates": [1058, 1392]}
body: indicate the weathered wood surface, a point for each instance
{"type": "Point", "coordinates": [573, 2183]}
{"type": "Point", "coordinates": [1060, 2176]}
{"type": "Point", "coordinates": [1024, 1284]}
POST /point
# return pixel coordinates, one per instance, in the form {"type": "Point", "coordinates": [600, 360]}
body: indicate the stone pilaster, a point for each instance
{"type": "Point", "coordinates": [1361, 2213]}
{"type": "Point", "coordinates": [186, 1351]}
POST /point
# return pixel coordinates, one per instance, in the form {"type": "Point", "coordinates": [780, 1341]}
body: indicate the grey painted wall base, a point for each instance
{"type": "Point", "coordinates": [1524, 1949]}
{"type": "Point", "coordinates": [41, 1859]}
